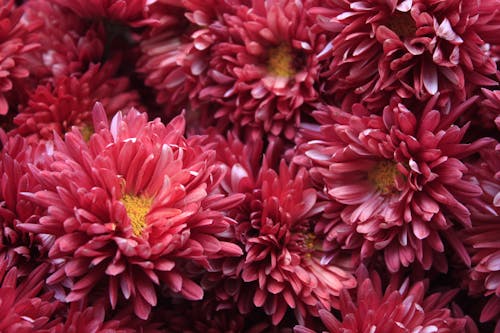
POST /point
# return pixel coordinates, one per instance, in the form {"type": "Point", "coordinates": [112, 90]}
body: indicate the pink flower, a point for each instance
{"type": "Point", "coordinates": [132, 12]}
{"type": "Point", "coordinates": [18, 247]}
{"type": "Point", "coordinates": [490, 109]}
{"type": "Point", "coordinates": [132, 209]}
{"type": "Point", "coordinates": [16, 39]}
{"type": "Point", "coordinates": [175, 53]}
{"type": "Point", "coordinates": [397, 309]}
{"type": "Point", "coordinates": [251, 68]}
{"type": "Point", "coordinates": [263, 69]}
{"type": "Point", "coordinates": [399, 177]}
{"type": "Point", "coordinates": [67, 101]}
{"type": "Point", "coordinates": [482, 240]}
{"type": "Point", "coordinates": [410, 48]}
{"type": "Point", "coordinates": [68, 44]}
{"type": "Point", "coordinates": [24, 307]}
{"type": "Point", "coordinates": [95, 317]}
{"type": "Point", "coordinates": [281, 267]}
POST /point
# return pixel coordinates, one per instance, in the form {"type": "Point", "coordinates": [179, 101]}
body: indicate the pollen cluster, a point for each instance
{"type": "Point", "coordinates": [137, 208]}
{"type": "Point", "coordinates": [383, 176]}
{"type": "Point", "coordinates": [280, 62]}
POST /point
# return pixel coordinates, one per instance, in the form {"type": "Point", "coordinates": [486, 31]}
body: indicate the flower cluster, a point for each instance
{"type": "Point", "coordinates": [250, 166]}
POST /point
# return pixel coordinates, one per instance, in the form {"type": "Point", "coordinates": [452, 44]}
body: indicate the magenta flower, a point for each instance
{"type": "Point", "coordinates": [399, 308]}
{"type": "Point", "coordinates": [16, 246]}
{"type": "Point", "coordinates": [68, 44]}
{"type": "Point", "coordinates": [399, 177]}
{"type": "Point", "coordinates": [17, 38]}
{"type": "Point", "coordinates": [24, 307]}
{"type": "Point", "coordinates": [482, 239]}
{"type": "Point", "coordinates": [67, 101]}
{"type": "Point", "coordinates": [255, 67]}
{"type": "Point", "coordinates": [131, 209]}
{"type": "Point", "coordinates": [281, 266]}
{"type": "Point", "coordinates": [410, 48]}
{"type": "Point", "coordinates": [132, 12]}
{"type": "Point", "coordinates": [84, 317]}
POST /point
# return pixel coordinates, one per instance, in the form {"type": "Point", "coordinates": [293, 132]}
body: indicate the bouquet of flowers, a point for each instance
{"type": "Point", "coordinates": [250, 166]}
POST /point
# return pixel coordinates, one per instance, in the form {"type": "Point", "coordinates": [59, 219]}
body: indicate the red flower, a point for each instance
{"type": "Point", "coordinates": [263, 69]}
{"type": "Point", "coordinates": [482, 239]}
{"type": "Point", "coordinates": [23, 309]}
{"type": "Point", "coordinates": [399, 177]}
{"type": "Point", "coordinates": [252, 67]}
{"type": "Point", "coordinates": [132, 12]}
{"type": "Point", "coordinates": [410, 48]}
{"type": "Point", "coordinates": [68, 101]}
{"type": "Point", "coordinates": [131, 209]}
{"type": "Point", "coordinates": [68, 44]}
{"type": "Point", "coordinates": [17, 246]}
{"type": "Point", "coordinates": [16, 40]}
{"type": "Point", "coordinates": [84, 317]}
{"type": "Point", "coordinates": [398, 309]}
{"type": "Point", "coordinates": [281, 267]}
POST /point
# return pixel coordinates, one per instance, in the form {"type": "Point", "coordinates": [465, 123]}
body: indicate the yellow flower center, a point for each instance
{"type": "Point", "coordinates": [280, 62]}
{"type": "Point", "coordinates": [402, 24]}
{"type": "Point", "coordinates": [383, 176]}
{"type": "Point", "coordinates": [137, 208]}
{"type": "Point", "coordinates": [87, 131]}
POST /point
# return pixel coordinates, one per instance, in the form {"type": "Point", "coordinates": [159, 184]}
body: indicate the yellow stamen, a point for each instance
{"type": "Point", "coordinates": [402, 24]}
{"type": "Point", "coordinates": [87, 131]}
{"type": "Point", "coordinates": [280, 62]}
{"type": "Point", "coordinates": [383, 176]}
{"type": "Point", "coordinates": [137, 209]}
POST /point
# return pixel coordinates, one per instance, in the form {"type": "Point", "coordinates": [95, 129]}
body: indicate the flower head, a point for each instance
{"type": "Point", "coordinates": [399, 177]}
{"type": "Point", "coordinates": [67, 101]}
{"type": "Point", "coordinates": [256, 65]}
{"type": "Point", "coordinates": [410, 48]}
{"type": "Point", "coordinates": [399, 308]}
{"type": "Point", "coordinates": [25, 308]}
{"type": "Point", "coordinates": [281, 267]}
{"type": "Point", "coordinates": [131, 209]}
{"type": "Point", "coordinates": [133, 12]}
{"type": "Point", "coordinates": [68, 44]}
{"type": "Point", "coordinates": [17, 38]}
{"type": "Point", "coordinates": [15, 179]}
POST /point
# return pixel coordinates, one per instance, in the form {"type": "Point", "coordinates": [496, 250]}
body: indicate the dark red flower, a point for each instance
{"type": "Point", "coordinates": [397, 309]}
{"type": "Point", "coordinates": [67, 101]}
{"type": "Point", "coordinates": [410, 48]}
{"type": "Point", "coordinates": [281, 267]}
{"type": "Point", "coordinates": [399, 177]}
{"type": "Point", "coordinates": [17, 38]}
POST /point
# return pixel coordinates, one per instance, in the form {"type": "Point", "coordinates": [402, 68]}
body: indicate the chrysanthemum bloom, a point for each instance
{"type": "Point", "coordinates": [175, 51]}
{"type": "Point", "coordinates": [132, 12]}
{"type": "Point", "coordinates": [255, 67]}
{"type": "Point", "coordinates": [68, 44]}
{"type": "Point", "coordinates": [130, 208]}
{"type": "Point", "coordinates": [399, 308]}
{"type": "Point", "coordinates": [411, 48]}
{"type": "Point", "coordinates": [16, 246]}
{"type": "Point", "coordinates": [23, 309]}
{"type": "Point", "coordinates": [68, 101]}
{"type": "Point", "coordinates": [399, 175]}
{"type": "Point", "coordinates": [263, 70]}
{"type": "Point", "coordinates": [97, 317]}
{"type": "Point", "coordinates": [489, 109]}
{"type": "Point", "coordinates": [482, 239]}
{"type": "Point", "coordinates": [281, 267]}
{"type": "Point", "coordinates": [16, 39]}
